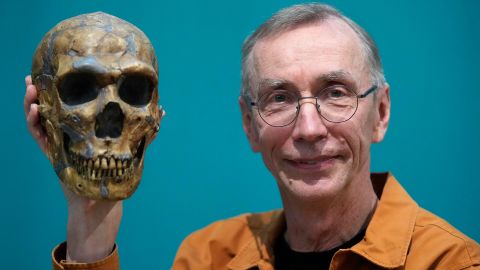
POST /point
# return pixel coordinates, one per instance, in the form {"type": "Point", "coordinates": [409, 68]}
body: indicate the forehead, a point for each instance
{"type": "Point", "coordinates": [101, 49]}
{"type": "Point", "coordinates": [88, 40]}
{"type": "Point", "coordinates": [310, 51]}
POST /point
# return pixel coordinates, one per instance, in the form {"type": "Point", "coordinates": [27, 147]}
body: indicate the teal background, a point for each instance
{"type": "Point", "coordinates": [200, 168]}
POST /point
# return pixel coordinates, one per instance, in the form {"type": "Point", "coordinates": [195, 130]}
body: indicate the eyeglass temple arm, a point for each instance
{"type": "Point", "coordinates": [368, 92]}
{"type": "Point", "coordinates": [248, 100]}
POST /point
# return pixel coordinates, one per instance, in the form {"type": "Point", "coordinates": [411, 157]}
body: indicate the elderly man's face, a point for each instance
{"type": "Point", "coordinates": [313, 157]}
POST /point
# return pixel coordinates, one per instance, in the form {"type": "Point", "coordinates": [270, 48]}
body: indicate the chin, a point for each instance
{"type": "Point", "coordinates": [308, 187]}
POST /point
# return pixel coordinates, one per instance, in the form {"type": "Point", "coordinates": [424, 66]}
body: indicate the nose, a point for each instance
{"type": "Point", "coordinates": [309, 125]}
{"type": "Point", "coordinates": [109, 123]}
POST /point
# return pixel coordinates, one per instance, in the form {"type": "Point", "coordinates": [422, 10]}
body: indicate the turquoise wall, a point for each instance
{"type": "Point", "coordinates": [200, 168]}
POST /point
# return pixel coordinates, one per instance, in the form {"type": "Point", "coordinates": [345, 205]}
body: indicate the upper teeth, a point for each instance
{"type": "Point", "coordinates": [100, 167]}
{"type": "Point", "coordinates": [308, 162]}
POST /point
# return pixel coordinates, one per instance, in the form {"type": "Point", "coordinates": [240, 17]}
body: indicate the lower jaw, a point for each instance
{"type": "Point", "coordinates": [105, 188]}
{"type": "Point", "coordinates": [114, 175]}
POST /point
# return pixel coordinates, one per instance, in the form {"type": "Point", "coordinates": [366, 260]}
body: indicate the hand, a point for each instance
{"type": "Point", "coordinates": [92, 225]}
{"type": "Point", "coordinates": [32, 116]}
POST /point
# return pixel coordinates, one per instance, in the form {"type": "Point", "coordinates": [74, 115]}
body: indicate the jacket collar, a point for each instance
{"type": "Point", "coordinates": [389, 233]}
{"type": "Point", "coordinates": [385, 243]}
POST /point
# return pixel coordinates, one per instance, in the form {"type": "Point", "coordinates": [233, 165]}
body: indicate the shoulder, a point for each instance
{"type": "Point", "coordinates": [451, 248]}
{"type": "Point", "coordinates": [220, 241]}
{"type": "Point", "coordinates": [235, 228]}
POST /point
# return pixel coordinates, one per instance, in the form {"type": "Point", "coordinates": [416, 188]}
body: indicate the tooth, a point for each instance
{"type": "Point", "coordinates": [90, 163]}
{"type": "Point", "coordinates": [119, 164]}
{"type": "Point", "coordinates": [92, 175]}
{"type": "Point", "coordinates": [112, 164]}
{"type": "Point", "coordinates": [104, 163]}
{"type": "Point", "coordinates": [97, 163]}
{"type": "Point", "coordinates": [120, 172]}
{"type": "Point", "coordinates": [125, 164]}
{"type": "Point", "coordinates": [84, 163]}
{"type": "Point", "coordinates": [99, 174]}
{"type": "Point", "coordinates": [114, 173]}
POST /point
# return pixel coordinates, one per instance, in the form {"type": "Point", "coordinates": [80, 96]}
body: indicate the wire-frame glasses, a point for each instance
{"type": "Point", "coordinates": [279, 108]}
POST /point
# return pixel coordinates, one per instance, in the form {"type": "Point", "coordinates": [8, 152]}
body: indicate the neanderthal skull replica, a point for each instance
{"type": "Point", "coordinates": [96, 77]}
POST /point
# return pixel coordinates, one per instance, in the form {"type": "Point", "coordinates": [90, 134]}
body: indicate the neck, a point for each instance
{"type": "Point", "coordinates": [329, 222]}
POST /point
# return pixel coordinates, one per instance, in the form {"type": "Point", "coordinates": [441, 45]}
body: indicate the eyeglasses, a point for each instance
{"type": "Point", "coordinates": [279, 108]}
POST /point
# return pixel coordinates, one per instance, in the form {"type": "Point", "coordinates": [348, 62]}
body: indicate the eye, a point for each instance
{"type": "Point", "coordinates": [136, 90]}
{"type": "Point", "coordinates": [278, 97]}
{"type": "Point", "coordinates": [335, 93]}
{"type": "Point", "coordinates": [278, 100]}
{"type": "Point", "coordinates": [78, 88]}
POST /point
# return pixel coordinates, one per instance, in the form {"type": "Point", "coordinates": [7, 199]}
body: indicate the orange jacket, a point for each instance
{"type": "Point", "coordinates": [401, 235]}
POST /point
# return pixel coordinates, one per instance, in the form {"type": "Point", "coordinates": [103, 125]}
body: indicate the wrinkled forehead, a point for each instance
{"type": "Point", "coordinates": [101, 49]}
{"type": "Point", "coordinates": [310, 51]}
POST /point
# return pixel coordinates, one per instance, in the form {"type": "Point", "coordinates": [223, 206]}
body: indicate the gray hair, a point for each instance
{"type": "Point", "coordinates": [298, 15]}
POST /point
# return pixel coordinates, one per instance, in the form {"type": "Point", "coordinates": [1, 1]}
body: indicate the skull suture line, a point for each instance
{"type": "Point", "coordinates": [96, 77]}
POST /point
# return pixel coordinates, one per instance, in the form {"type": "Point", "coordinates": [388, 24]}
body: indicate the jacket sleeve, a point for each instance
{"type": "Point", "coordinates": [111, 262]}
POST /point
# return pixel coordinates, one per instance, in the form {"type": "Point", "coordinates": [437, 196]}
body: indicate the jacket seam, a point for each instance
{"type": "Point", "coordinates": [463, 264]}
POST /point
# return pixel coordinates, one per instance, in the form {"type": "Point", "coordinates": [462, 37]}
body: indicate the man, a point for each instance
{"type": "Point", "coordinates": [313, 100]}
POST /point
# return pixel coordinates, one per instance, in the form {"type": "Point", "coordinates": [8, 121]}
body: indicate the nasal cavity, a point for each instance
{"type": "Point", "coordinates": [109, 123]}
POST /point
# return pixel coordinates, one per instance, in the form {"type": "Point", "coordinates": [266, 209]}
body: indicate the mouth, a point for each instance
{"type": "Point", "coordinates": [316, 163]}
{"type": "Point", "coordinates": [118, 168]}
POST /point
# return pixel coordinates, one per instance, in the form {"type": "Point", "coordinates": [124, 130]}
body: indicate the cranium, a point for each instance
{"type": "Point", "coordinates": [96, 77]}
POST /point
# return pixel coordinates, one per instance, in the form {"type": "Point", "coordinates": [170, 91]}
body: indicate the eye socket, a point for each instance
{"type": "Point", "coordinates": [78, 88]}
{"type": "Point", "coordinates": [136, 90]}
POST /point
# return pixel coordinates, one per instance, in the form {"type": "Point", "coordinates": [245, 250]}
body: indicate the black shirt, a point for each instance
{"type": "Point", "coordinates": [288, 259]}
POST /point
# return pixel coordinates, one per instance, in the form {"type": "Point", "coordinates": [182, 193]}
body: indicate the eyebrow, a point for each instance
{"type": "Point", "coordinates": [271, 83]}
{"type": "Point", "coordinates": [337, 75]}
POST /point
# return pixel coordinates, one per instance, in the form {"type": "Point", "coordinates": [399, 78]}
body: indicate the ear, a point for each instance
{"type": "Point", "coordinates": [248, 124]}
{"type": "Point", "coordinates": [383, 114]}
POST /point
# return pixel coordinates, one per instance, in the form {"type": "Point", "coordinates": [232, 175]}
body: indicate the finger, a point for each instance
{"type": "Point", "coordinates": [35, 128]}
{"type": "Point", "coordinates": [30, 97]}
{"type": "Point", "coordinates": [33, 122]}
{"type": "Point", "coordinates": [32, 116]}
{"type": "Point", "coordinates": [28, 80]}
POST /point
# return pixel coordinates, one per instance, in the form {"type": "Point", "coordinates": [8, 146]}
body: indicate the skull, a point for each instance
{"type": "Point", "coordinates": [97, 81]}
